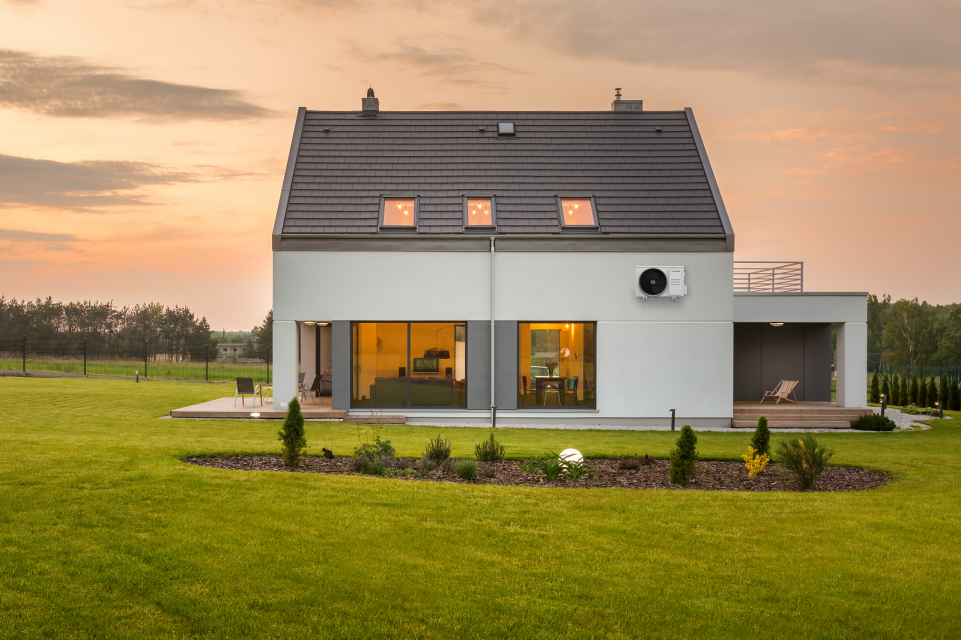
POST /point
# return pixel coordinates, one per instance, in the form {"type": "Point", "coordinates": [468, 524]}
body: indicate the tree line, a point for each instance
{"type": "Point", "coordinates": [908, 332]}
{"type": "Point", "coordinates": [162, 332]}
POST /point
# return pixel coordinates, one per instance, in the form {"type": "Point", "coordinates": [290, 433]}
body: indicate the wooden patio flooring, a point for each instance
{"type": "Point", "coordinates": [224, 408]}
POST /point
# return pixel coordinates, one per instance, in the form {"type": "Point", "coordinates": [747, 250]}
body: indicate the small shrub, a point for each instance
{"type": "Point", "coordinates": [486, 470]}
{"type": "Point", "coordinates": [755, 461]}
{"type": "Point", "coordinates": [874, 422]}
{"type": "Point", "coordinates": [292, 436]}
{"type": "Point", "coordinates": [438, 450]}
{"type": "Point", "coordinates": [376, 449]}
{"type": "Point", "coordinates": [447, 466]}
{"type": "Point", "coordinates": [551, 466]}
{"type": "Point", "coordinates": [761, 440]}
{"type": "Point", "coordinates": [683, 456]}
{"type": "Point", "coordinates": [629, 464]}
{"type": "Point", "coordinates": [804, 458]}
{"type": "Point", "coordinates": [912, 409]}
{"type": "Point", "coordinates": [371, 466]}
{"type": "Point", "coordinates": [489, 450]}
{"type": "Point", "coordinates": [401, 463]}
{"type": "Point", "coordinates": [466, 469]}
{"type": "Point", "coordinates": [328, 453]}
{"type": "Point", "coordinates": [647, 461]}
{"type": "Point", "coordinates": [577, 469]}
{"type": "Point", "coordinates": [875, 389]}
{"type": "Point", "coordinates": [425, 464]}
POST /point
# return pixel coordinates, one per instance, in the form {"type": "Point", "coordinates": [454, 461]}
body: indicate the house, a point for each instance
{"type": "Point", "coordinates": [598, 242]}
{"type": "Point", "coordinates": [229, 349]}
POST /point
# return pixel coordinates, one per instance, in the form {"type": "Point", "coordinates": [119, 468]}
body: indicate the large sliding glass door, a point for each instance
{"type": "Point", "coordinates": [556, 364]}
{"type": "Point", "coordinates": [409, 364]}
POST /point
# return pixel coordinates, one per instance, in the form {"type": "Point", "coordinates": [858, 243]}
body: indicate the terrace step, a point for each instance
{"type": "Point", "coordinates": [375, 419]}
{"type": "Point", "coordinates": [768, 410]}
{"type": "Point", "coordinates": [794, 424]}
{"type": "Point", "coordinates": [794, 417]}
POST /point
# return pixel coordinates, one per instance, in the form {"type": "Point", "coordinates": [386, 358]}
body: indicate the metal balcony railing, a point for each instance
{"type": "Point", "coordinates": [768, 277]}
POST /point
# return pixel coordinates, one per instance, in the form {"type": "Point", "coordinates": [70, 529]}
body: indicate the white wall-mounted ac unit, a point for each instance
{"type": "Point", "coordinates": [659, 282]}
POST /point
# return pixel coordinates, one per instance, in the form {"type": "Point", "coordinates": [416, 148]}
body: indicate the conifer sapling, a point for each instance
{"type": "Point", "coordinates": [292, 435]}
{"type": "Point", "coordinates": [875, 389]}
{"type": "Point", "coordinates": [761, 440]}
{"type": "Point", "coordinates": [683, 456]}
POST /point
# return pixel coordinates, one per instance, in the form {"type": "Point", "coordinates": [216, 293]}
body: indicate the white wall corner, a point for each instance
{"type": "Point", "coordinates": [285, 362]}
{"type": "Point", "coordinates": [852, 364]}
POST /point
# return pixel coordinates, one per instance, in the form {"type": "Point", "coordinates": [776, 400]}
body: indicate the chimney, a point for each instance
{"type": "Point", "coordinates": [625, 105]}
{"type": "Point", "coordinates": [370, 104]}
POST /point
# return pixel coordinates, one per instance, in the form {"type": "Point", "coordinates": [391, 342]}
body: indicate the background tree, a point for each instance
{"type": "Point", "coordinates": [896, 390]}
{"type": "Point", "coordinates": [932, 392]}
{"type": "Point", "coordinates": [909, 331]}
{"type": "Point", "coordinates": [886, 388]}
{"type": "Point", "coordinates": [875, 389]}
{"type": "Point", "coordinates": [949, 347]}
{"type": "Point", "coordinates": [264, 336]}
{"type": "Point", "coordinates": [913, 391]}
{"type": "Point", "coordinates": [943, 397]}
{"type": "Point", "coordinates": [876, 309]}
{"type": "Point", "coordinates": [955, 393]}
{"type": "Point", "coordinates": [905, 396]}
{"type": "Point", "coordinates": [921, 396]}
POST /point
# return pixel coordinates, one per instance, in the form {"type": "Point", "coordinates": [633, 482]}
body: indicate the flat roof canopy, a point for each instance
{"type": "Point", "coordinates": [801, 307]}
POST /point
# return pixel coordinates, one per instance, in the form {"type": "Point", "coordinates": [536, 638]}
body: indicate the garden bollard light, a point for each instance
{"type": "Point", "coordinates": [940, 410]}
{"type": "Point", "coordinates": [884, 404]}
{"type": "Point", "coordinates": [672, 419]}
{"type": "Point", "coordinates": [138, 374]}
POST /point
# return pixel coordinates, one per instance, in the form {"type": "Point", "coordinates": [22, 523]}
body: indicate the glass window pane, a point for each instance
{"type": "Point", "coordinates": [438, 352]}
{"type": "Point", "coordinates": [380, 364]}
{"type": "Point", "coordinates": [556, 364]}
{"type": "Point", "coordinates": [479, 212]}
{"type": "Point", "coordinates": [577, 212]}
{"type": "Point", "coordinates": [399, 212]}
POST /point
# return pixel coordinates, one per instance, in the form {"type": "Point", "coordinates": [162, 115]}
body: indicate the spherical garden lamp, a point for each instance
{"type": "Point", "coordinates": [571, 455]}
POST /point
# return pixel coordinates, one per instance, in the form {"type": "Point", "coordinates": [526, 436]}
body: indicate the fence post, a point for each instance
{"type": "Point", "coordinates": [144, 359]}
{"type": "Point", "coordinates": [84, 357]}
{"type": "Point", "coordinates": [207, 362]}
{"type": "Point", "coordinates": [24, 354]}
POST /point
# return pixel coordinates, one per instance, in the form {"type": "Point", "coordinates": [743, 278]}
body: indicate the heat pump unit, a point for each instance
{"type": "Point", "coordinates": [659, 282]}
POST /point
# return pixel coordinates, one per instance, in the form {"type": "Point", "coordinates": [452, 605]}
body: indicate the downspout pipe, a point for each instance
{"type": "Point", "coordinates": [493, 406]}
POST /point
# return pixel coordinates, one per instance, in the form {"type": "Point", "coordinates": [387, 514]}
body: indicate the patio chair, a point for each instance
{"type": "Point", "coordinates": [245, 387]}
{"type": "Point", "coordinates": [550, 387]}
{"type": "Point", "coordinates": [783, 389]}
{"type": "Point", "coordinates": [313, 389]}
{"type": "Point", "coordinates": [572, 387]}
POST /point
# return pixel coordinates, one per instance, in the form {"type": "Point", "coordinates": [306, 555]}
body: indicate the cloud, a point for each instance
{"type": "Point", "coordinates": [73, 87]}
{"type": "Point", "coordinates": [450, 64]}
{"type": "Point", "coordinates": [14, 239]}
{"type": "Point", "coordinates": [82, 185]}
{"type": "Point", "coordinates": [881, 43]}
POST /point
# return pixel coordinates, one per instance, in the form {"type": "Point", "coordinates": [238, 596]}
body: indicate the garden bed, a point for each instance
{"type": "Point", "coordinates": [710, 476]}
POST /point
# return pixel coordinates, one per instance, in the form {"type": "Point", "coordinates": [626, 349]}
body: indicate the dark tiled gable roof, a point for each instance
{"type": "Point", "coordinates": [643, 182]}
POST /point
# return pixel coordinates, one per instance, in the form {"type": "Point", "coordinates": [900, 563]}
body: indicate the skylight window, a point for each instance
{"type": "Point", "coordinates": [399, 212]}
{"type": "Point", "coordinates": [578, 212]}
{"type": "Point", "coordinates": [479, 212]}
{"type": "Point", "coordinates": [505, 128]}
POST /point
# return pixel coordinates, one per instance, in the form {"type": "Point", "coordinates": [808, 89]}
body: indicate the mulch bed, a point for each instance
{"type": "Point", "coordinates": [710, 475]}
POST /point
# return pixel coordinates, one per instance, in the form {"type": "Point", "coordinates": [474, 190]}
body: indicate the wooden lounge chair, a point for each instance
{"type": "Point", "coordinates": [783, 389]}
{"type": "Point", "coordinates": [245, 387]}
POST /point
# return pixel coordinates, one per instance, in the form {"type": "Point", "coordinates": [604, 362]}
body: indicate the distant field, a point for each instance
{"type": "Point", "coordinates": [218, 371]}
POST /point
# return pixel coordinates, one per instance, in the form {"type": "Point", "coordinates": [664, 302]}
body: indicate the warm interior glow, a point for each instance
{"type": "Point", "coordinates": [479, 212]}
{"type": "Point", "coordinates": [577, 212]}
{"type": "Point", "coordinates": [399, 212]}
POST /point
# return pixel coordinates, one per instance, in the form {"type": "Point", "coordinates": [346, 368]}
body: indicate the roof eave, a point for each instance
{"type": "Point", "coordinates": [288, 178]}
{"type": "Point", "coordinates": [709, 172]}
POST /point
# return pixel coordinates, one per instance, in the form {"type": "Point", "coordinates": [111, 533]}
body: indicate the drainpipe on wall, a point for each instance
{"type": "Point", "coordinates": [493, 406]}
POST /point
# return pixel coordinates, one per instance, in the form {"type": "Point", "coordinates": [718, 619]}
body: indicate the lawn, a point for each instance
{"type": "Point", "coordinates": [105, 532]}
{"type": "Point", "coordinates": [215, 371]}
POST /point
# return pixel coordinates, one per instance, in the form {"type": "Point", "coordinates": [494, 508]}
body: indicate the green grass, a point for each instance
{"type": "Point", "coordinates": [105, 532]}
{"type": "Point", "coordinates": [189, 371]}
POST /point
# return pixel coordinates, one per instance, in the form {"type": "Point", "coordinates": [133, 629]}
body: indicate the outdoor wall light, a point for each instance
{"type": "Point", "coordinates": [254, 415]}
{"type": "Point", "coordinates": [777, 324]}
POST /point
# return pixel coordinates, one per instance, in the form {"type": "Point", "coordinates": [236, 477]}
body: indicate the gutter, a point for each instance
{"type": "Point", "coordinates": [493, 405]}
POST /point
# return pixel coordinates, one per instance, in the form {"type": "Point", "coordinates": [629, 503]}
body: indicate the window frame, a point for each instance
{"type": "Point", "coordinates": [395, 228]}
{"type": "Point", "coordinates": [409, 366]}
{"type": "Point", "coordinates": [487, 228]}
{"type": "Point", "coordinates": [517, 365]}
{"type": "Point", "coordinates": [559, 201]}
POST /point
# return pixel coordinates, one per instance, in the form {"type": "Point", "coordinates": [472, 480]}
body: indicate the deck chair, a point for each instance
{"type": "Point", "coordinates": [783, 389]}
{"type": "Point", "coordinates": [246, 387]}
{"type": "Point", "coordinates": [313, 389]}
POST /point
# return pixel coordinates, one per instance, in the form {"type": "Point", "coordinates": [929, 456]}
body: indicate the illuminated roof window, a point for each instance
{"type": "Point", "coordinates": [400, 213]}
{"type": "Point", "coordinates": [578, 212]}
{"type": "Point", "coordinates": [479, 212]}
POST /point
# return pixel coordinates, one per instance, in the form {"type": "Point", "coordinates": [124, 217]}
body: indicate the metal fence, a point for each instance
{"type": "Point", "coordinates": [921, 371]}
{"type": "Point", "coordinates": [768, 277]}
{"type": "Point", "coordinates": [196, 362]}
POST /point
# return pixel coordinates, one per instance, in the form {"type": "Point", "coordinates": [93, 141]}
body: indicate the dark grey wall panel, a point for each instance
{"type": "Point", "coordinates": [505, 363]}
{"type": "Point", "coordinates": [478, 364]}
{"type": "Point", "coordinates": [782, 356]}
{"type": "Point", "coordinates": [817, 361]}
{"type": "Point", "coordinates": [747, 361]}
{"type": "Point", "coordinates": [340, 361]}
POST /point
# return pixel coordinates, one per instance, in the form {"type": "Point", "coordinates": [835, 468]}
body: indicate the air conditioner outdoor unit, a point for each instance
{"type": "Point", "coordinates": [659, 282]}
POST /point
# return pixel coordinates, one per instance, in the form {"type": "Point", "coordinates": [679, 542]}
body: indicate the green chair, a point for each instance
{"type": "Point", "coordinates": [572, 387]}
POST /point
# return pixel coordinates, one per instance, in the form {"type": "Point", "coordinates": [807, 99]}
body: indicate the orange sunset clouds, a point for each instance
{"type": "Point", "coordinates": [142, 144]}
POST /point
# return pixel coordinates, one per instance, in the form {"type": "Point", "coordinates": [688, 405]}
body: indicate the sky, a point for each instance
{"type": "Point", "coordinates": [143, 143]}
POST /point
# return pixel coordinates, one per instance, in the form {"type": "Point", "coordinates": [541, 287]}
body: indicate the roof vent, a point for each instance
{"type": "Point", "coordinates": [370, 105]}
{"type": "Point", "coordinates": [625, 105]}
{"type": "Point", "coordinates": [505, 128]}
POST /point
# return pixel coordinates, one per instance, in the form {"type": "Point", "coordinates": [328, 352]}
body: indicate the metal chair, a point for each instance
{"type": "Point", "coordinates": [313, 389]}
{"type": "Point", "coordinates": [550, 387]}
{"type": "Point", "coordinates": [245, 387]}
